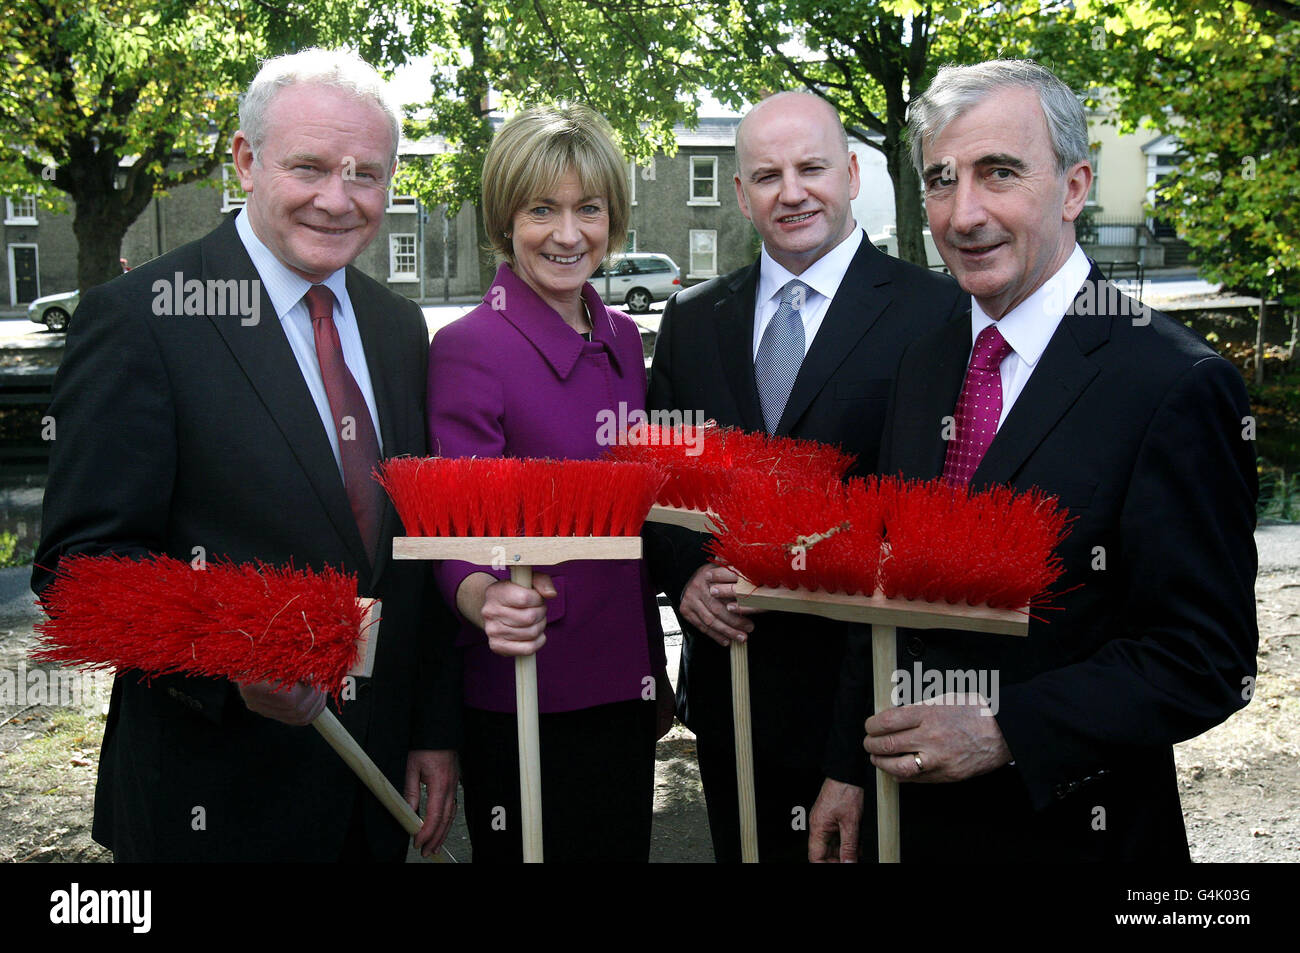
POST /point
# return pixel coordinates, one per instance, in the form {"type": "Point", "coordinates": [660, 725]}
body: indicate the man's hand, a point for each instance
{"type": "Point", "coordinates": [437, 771]}
{"type": "Point", "coordinates": [956, 737]}
{"type": "Point", "coordinates": [514, 618]}
{"type": "Point", "coordinates": [709, 604]}
{"type": "Point", "coordinates": [298, 705]}
{"type": "Point", "coordinates": [834, 823]}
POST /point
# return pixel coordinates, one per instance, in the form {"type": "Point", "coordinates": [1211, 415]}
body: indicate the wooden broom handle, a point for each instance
{"type": "Point", "coordinates": [327, 723]}
{"type": "Point", "coordinates": [530, 757]}
{"type": "Point", "coordinates": [742, 728]}
{"type": "Point", "coordinates": [884, 660]}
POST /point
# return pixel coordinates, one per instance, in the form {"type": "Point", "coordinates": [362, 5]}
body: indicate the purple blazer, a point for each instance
{"type": "Point", "coordinates": [512, 379]}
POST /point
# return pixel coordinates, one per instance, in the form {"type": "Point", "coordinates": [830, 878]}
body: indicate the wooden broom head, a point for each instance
{"type": "Point", "coordinates": [703, 461]}
{"type": "Point", "coordinates": [244, 622]}
{"type": "Point", "coordinates": [512, 496]}
{"type": "Point", "coordinates": [926, 541]}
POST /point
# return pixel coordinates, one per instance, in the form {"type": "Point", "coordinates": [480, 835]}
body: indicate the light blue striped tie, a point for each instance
{"type": "Point", "coordinates": [780, 352]}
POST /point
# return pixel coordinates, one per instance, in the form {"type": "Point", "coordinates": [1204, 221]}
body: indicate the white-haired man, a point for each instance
{"type": "Point", "coordinates": [1143, 433]}
{"type": "Point", "coordinates": [248, 430]}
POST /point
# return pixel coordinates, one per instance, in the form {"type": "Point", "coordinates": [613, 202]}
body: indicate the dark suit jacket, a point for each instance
{"type": "Point", "coordinates": [1138, 427]}
{"type": "Point", "coordinates": [703, 362]}
{"type": "Point", "coordinates": [178, 432]}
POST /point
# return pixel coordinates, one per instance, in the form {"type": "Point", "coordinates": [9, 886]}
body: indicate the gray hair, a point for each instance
{"type": "Point", "coordinates": [333, 69]}
{"type": "Point", "coordinates": [956, 89]}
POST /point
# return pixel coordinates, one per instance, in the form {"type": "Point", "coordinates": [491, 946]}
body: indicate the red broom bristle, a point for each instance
{"type": "Point", "coordinates": [508, 496]}
{"type": "Point", "coordinates": [703, 461]}
{"type": "Point", "coordinates": [244, 622]}
{"type": "Point", "coordinates": [923, 541]}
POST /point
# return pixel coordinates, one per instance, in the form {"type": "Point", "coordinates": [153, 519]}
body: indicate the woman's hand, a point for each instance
{"type": "Point", "coordinates": [512, 617]}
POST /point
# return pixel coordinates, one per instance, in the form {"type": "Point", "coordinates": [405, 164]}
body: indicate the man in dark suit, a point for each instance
{"type": "Point", "coordinates": [228, 400]}
{"type": "Point", "coordinates": [1056, 380]}
{"type": "Point", "coordinates": [802, 343]}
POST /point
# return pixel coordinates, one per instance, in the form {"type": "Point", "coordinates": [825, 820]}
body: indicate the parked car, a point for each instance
{"type": "Point", "coordinates": [638, 278]}
{"type": "Point", "coordinates": [53, 311]}
{"type": "Point", "coordinates": [888, 243]}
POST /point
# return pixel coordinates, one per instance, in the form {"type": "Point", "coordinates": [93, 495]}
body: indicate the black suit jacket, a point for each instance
{"type": "Point", "coordinates": [703, 362]}
{"type": "Point", "coordinates": [1141, 430]}
{"type": "Point", "coordinates": [188, 431]}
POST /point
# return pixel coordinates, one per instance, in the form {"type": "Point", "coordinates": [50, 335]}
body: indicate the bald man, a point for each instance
{"type": "Point", "coordinates": [804, 343]}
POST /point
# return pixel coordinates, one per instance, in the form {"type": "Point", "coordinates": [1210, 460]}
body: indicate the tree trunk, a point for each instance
{"type": "Point", "coordinates": [908, 212]}
{"type": "Point", "coordinates": [1259, 344]}
{"type": "Point", "coordinates": [100, 225]}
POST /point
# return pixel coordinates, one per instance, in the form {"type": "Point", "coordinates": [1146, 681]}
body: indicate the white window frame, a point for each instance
{"type": "Point", "coordinates": [394, 240]}
{"type": "Point", "coordinates": [402, 204]}
{"type": "Point", "coordinates": [632, 171]}
{"type": "Point", "coordinates": [17, 215]}
{"type": "Point", "coordinates": [229, 176]}
{"type": "Point", "coordinates": [13, 277]}
{"type": "Point", "coordinates": [690, 253]}
{"type": "Point", "coordinates": [690, 188]}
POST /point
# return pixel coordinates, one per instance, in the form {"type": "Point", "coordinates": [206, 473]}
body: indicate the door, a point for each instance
{"type": "Point", "coordinates": [23, 278]}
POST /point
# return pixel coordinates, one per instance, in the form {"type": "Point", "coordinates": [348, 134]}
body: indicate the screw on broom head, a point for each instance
{"type": "Point", "coordinates": [703, 461]}
{"type": "Point", "coordinates": [510, 496]}
{"type": "Point", "coordinates": [926, 541]}
{"type": "Point", "coordinates": [244, 622]}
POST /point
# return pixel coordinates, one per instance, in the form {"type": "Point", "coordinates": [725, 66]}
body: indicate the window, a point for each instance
{"type": "Point", "coordinates": [1094, 156]}
{"type": "Point", "coordinates": [401, 258]}
{"type": "Point", "coordinates": [704, 180]}
{"type": "Point", "coordinates": [402, 203]}
{"type": "Point", "coordinates": [631, 241]}
{"type": "Point", "coordinates": [704, 253]}
{"type": "Point", "coordinates": [652, 266]}
{"type": "Point", "coordinates": [232, 195]}
{"type": "Point", "coordinates": [20, 211]}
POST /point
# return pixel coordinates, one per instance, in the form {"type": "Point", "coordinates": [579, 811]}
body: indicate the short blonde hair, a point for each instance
{"type": "Point", "coordinates": [538, 147]}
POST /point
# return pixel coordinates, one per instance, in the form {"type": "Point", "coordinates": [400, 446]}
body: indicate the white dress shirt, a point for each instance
{"type": "Point", "coordinates": [286, 290]}
{"type": "Point", "coordinates": [1030, 325]}
{"type": "Point", "coordinates": [822, 277]}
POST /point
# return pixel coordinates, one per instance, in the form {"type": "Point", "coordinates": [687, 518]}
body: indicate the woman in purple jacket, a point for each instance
{"type": "Point", "coordinates": [532, 372]}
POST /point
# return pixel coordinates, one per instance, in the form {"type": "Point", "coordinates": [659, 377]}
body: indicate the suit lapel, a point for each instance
{"type": "Point", "coordinates": [1063, 373]}
{"type": "Point", "coordinates": [858, 302]}
{"type": "Point", "coordinates": [264, 355]}
{"type": "Point", "coordinates": [929, 399]}
{"type": "Point", "coordinates": [384, 364]}
{"type": "Point", "coordinates": [735, 329]}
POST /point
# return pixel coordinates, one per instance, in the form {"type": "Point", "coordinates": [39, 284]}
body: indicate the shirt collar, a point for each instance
{"type": "Point", "coordinates": [542, 325]}
{"type": "Point", "coordinates": [822, 276]}
{"type": "Point", "coordinates": [282, 286]}
{"type": "Point", "coordinates": [1030, 325]}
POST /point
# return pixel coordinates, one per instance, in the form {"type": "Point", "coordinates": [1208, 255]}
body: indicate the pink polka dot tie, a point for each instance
{"type": "Point", "coordinates": [978, 408]}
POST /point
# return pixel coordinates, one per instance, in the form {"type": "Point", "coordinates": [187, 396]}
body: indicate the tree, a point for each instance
{"type": "Point", "coordinates": [628, 59]}
{"type": "Point", "coordinates": [1225, 80]}
{"type": "Point", "coordinates": [109, 102]}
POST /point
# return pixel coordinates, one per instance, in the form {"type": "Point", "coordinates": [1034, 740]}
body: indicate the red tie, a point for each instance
{"type": "Point", "coordinates": [978, 408]}
{"type": "Point", "coordinates": [358, 446]}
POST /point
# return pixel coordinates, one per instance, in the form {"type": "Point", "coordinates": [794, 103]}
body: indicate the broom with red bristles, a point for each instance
{"type": "Point", "coordinates": [891, 553]}
{"type": "Point", "coordinates": [244, 622]}
{"type": "Point", "coordinates": [520, 513]}
{"type": "Point", "coordinates": [702, 463]}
